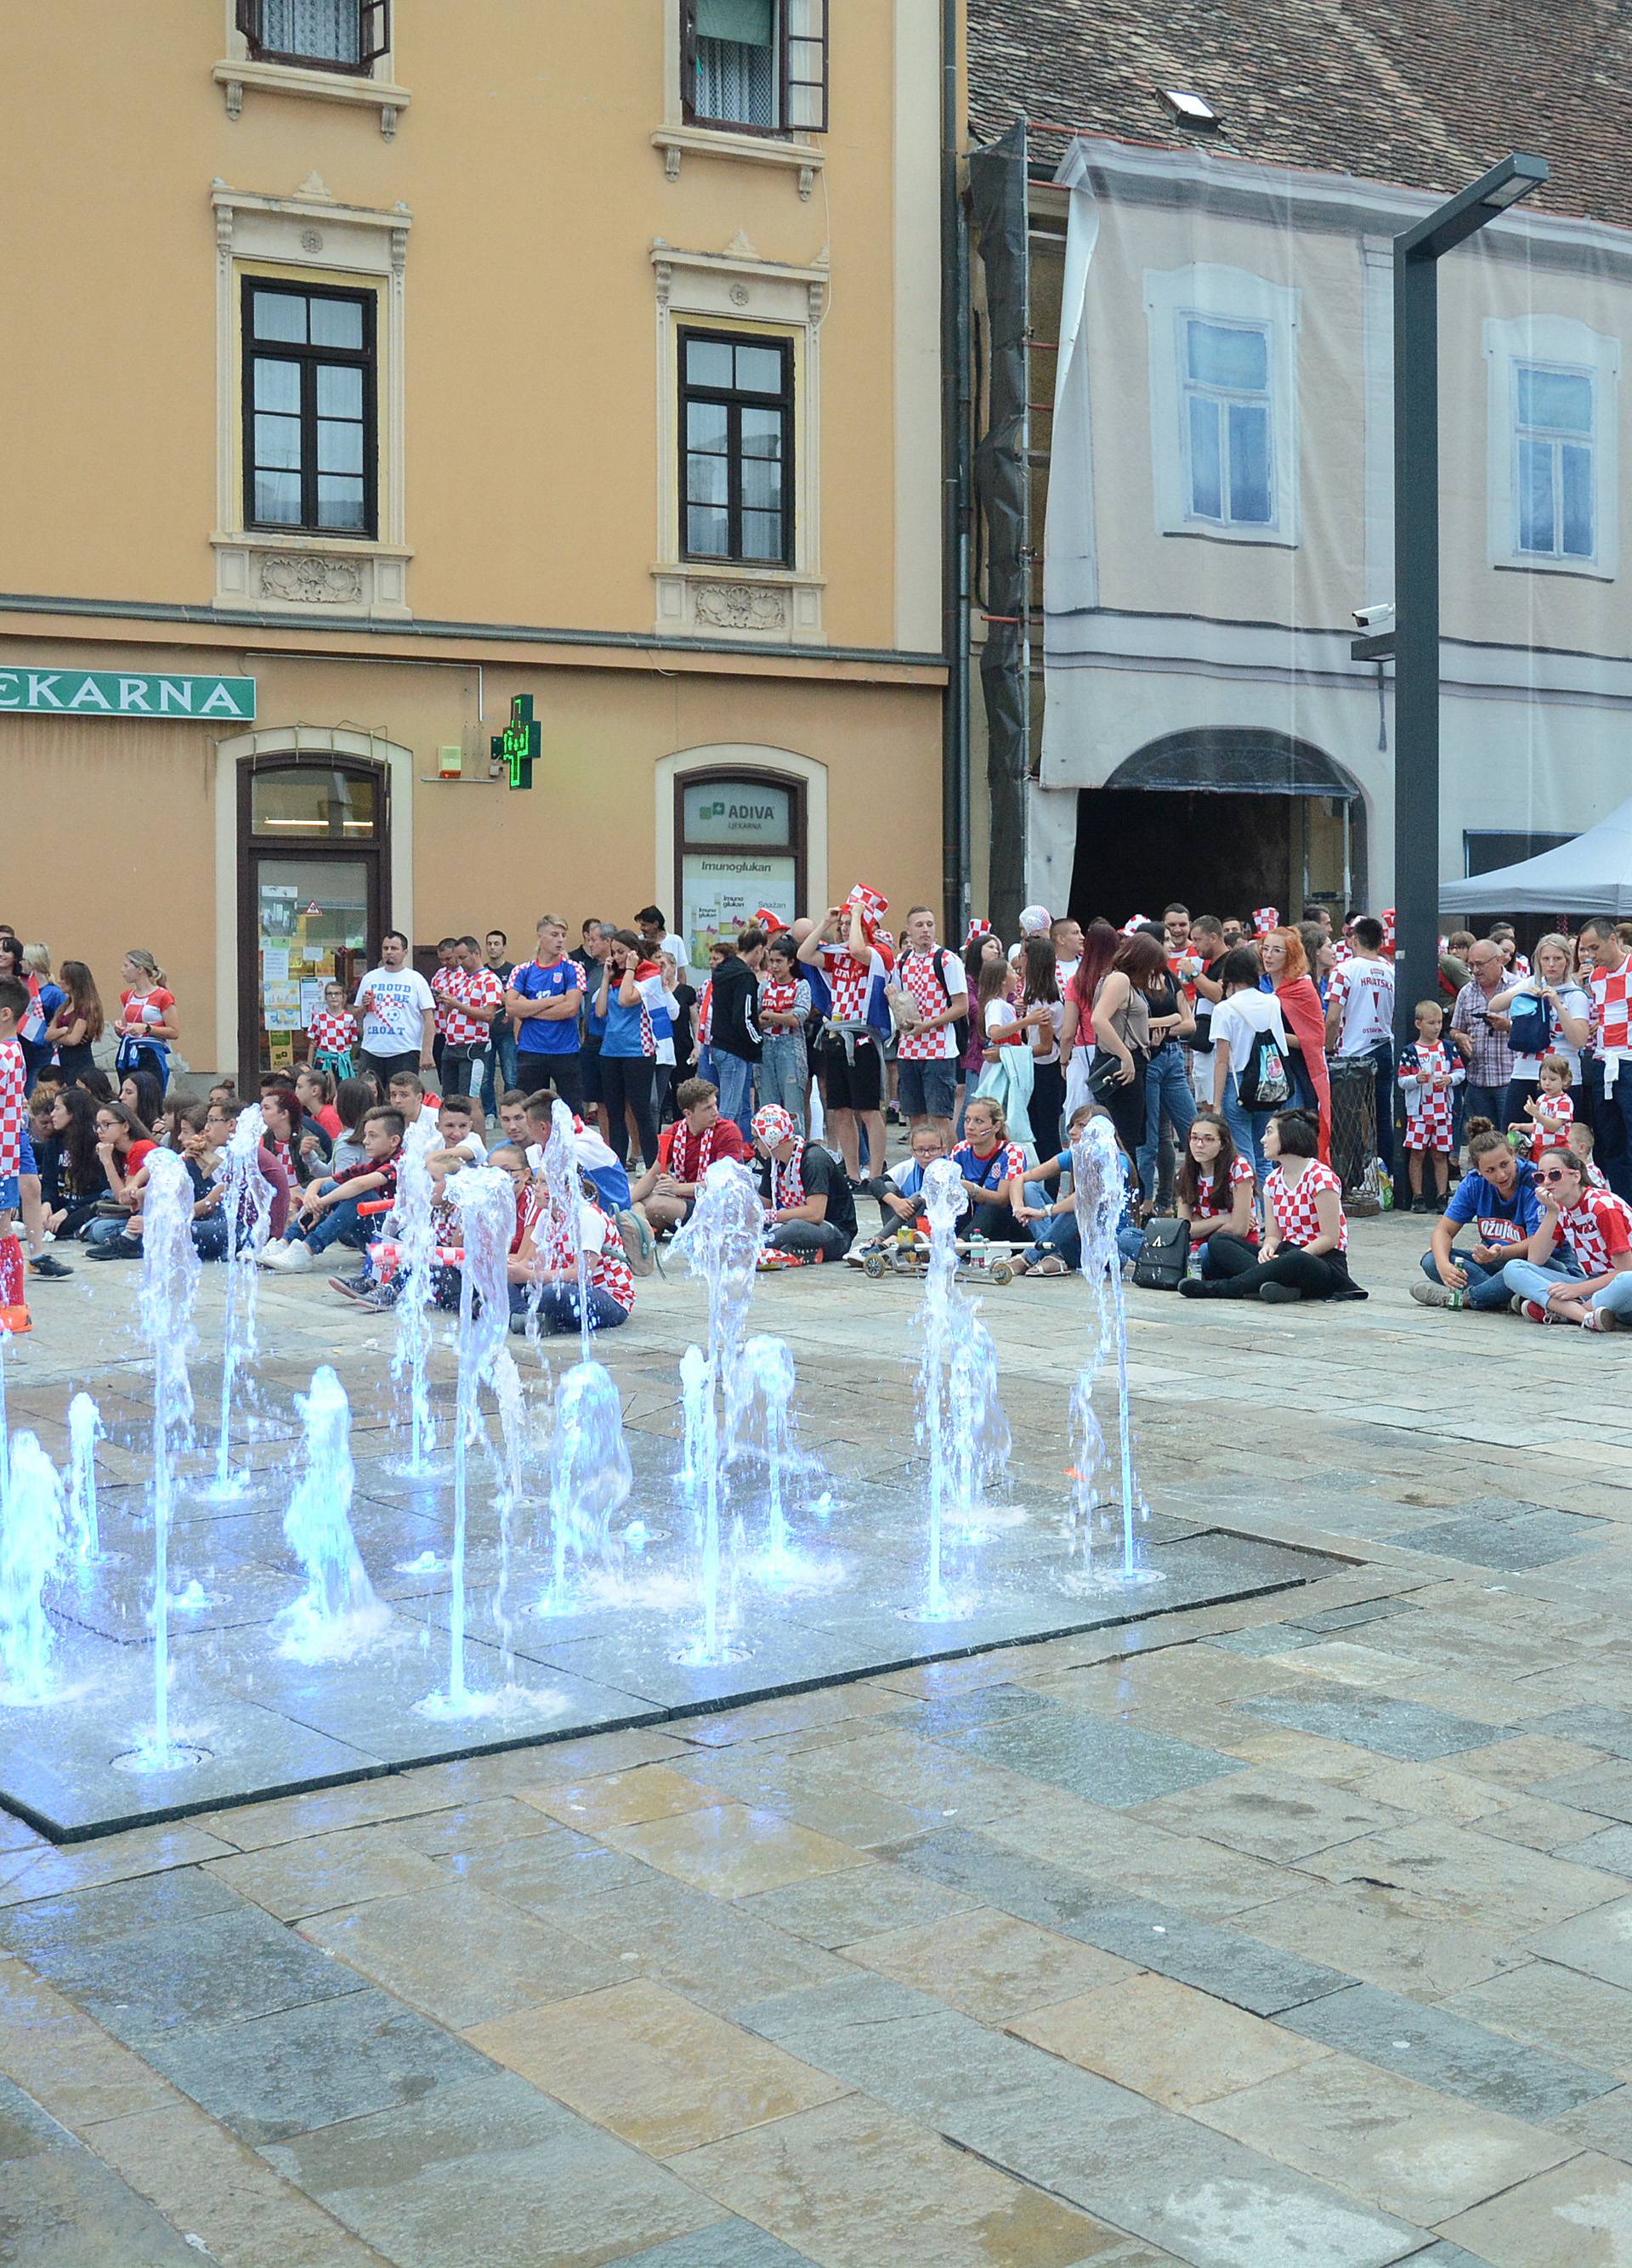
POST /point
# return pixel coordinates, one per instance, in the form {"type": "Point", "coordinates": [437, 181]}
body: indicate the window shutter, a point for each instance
{"type": "Point", "coordinates": [247, 17]}
{"type": "Point", "coordinates": [373, 31]}
{"type": "Point", "coordinates": [806, 107]}
{"type": "Point", "coordinates": [688, 60]}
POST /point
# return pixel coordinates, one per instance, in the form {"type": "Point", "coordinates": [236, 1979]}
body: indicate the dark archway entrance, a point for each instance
{"type": "Point", "coordinates": [1224, 820]}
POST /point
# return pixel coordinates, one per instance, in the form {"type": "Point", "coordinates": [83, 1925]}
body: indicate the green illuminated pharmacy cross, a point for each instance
{"type": "Point", "coordinates": [517, 745]}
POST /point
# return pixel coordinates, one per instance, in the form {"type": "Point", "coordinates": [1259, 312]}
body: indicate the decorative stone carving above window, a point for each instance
{"type": "Point", "coordinates": [268, 574]}
{"type": "Point", "coordinates": [312, 582]}
{"type": "Point", "coordinates": [739, 607]}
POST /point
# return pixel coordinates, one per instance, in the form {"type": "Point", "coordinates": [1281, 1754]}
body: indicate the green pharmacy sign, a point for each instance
{"type": "Point", "coordinates": [116, 693]}
{"type": "Point", "coordinates": [517, 745]}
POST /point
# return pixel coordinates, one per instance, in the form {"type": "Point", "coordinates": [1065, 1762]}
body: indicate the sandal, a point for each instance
{"type": "Point", "coordinates": [1050, 1264]}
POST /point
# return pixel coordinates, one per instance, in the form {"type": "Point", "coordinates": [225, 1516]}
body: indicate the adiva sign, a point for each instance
{"type": "Point", "coordinates": [113, 693]}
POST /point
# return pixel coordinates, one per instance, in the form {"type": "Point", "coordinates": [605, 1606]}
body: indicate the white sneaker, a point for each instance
{"type": "Point", "coordinates": [298, 1260]}
{"type": "Point", "coordinates": [271, 1254]}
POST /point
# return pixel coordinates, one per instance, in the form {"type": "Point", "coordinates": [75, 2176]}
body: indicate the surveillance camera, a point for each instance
{"type": "Point", "coordinates": [1376, 617]}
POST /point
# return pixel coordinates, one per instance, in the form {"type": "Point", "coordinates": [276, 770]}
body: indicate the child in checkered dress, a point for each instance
{"type": "Point", "coordinates": [332, 1033]}
{"type": "Point", "coordinates": [1429, 1073]}
{"type": "Point", "coordinates": [1550, 1111]}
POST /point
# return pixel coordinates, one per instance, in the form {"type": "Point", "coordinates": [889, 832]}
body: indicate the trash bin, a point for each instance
{"type": "Point", "coordinates": [1353, 1126]}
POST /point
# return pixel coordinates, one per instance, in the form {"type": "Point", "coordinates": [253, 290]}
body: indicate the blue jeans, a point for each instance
{"type": "Point", "coordinates": [1247, 1127]}
{"type": "Point", "coordinates": [1485, 1289]}
{"type": "Point", "coordinates": [784, 1075]}
{"type": "Point", "coordinates": [500, 1072]}
{"type": "Point", "coordinates": [557, 1307]}
{"type": "Point", "coordinates": [1612, 1126]}
{"type": "Point", "coordinates": [342, 1224]}
{"type": "Point", "coordinates": [735, 1076]}
{"type": "Point", "coordinates": [1167, 1094]}
{"type": "Point", "coordinates": [1533, 1283]}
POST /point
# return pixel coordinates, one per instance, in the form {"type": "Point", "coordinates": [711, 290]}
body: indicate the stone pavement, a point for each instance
{"type": "Point", "coordinates": [1295, 1934]}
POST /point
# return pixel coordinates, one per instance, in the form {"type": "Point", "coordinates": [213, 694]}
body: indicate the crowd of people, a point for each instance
{"type": "Point", "coordinates": [1213, 1046]}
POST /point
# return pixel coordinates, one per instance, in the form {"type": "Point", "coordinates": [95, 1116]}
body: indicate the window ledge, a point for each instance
{"type": "Point", "coordinates": [311, 575]}
{"type": "Point", "coordinates": [1269, 538]}
{"type": "Point", "coordinates": [1580, 570]}
{"type": "Point", "coordinates": [319, 87]}
{"type": "Point", "coordinates": [678, 142]}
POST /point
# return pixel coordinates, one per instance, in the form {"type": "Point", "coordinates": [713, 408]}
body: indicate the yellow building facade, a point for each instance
{"type": "Point", "coordinates": [376, 363]}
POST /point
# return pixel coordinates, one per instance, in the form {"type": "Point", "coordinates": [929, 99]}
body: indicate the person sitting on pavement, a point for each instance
{"type": "Point", "coordinates": [1304, 1254]}
{"type": "Point", "coordinates": [810, 1211]}
{"type": "Point", "coordinates": [328, 1213]}
{"type": "Point", "coordinates": [1056, 1249]}
{"type": "Point", "coordinates": [1551, 1110]}
{"type": "Point", "coordinates": [1497, 1200]}
{"type": "Point", "coordinates": [665, 1192]}
{"type": "Point", "coordinates": [992, 1166]}
{"type": "Point", "coordinates": [1214, 1189]}
{"type": "Point", "coordinates": [544, 1263]}
{"type": "Point", "coordinates": [900, 1192]}
{"type": "Point", "coordinates": [1596, 1225]}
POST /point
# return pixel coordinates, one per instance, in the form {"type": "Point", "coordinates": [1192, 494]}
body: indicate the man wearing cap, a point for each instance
{"type": "Point", "coordinates": [810, 1209]}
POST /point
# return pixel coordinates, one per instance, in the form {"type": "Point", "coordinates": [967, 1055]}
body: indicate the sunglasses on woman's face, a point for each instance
{"type": "Point", "coordinates": [1557, 1174]}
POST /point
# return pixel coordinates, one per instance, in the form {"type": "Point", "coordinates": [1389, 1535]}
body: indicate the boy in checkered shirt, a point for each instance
{"type": "Point", "coordinates": [1428, 1071]}
{"type": "Point", "coordinates": [13, 1120]}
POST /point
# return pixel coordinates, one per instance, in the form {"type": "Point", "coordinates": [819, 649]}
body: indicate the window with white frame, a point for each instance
{"type": "Point", "coordinates": [1552, 453]}
{"type": "Point", "coordinates": [1223, 403]}
{"type": "Point", "coordinates": [1229, 408]}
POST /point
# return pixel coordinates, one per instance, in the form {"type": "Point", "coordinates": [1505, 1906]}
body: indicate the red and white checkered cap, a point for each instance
{"type": "Point", "coordinates": [773, 1125]}
{"type": "Point", "coordinates": [1387, 919]}
{"type": "Point", "coordinates": [1133, 921]}
{"type": "Point", "coordinates": [1263, 919]}
{"type": "Point", "coordinates": [872, 902]}
{"type": "Point", "coordinates": [977, 928]}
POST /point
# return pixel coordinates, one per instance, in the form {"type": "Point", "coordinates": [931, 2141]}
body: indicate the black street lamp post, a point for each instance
{"type": "Point", "coordinates": [1416, 566]}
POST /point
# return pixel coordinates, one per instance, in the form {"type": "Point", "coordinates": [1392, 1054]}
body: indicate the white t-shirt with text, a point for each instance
{"type": "Point", "coordinates": [400, 997]}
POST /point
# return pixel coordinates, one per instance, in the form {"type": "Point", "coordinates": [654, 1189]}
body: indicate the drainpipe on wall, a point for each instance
{"type": "Point", "coordinates": [956, 487]}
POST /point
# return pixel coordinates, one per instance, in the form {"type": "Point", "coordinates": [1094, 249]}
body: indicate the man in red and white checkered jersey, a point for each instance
{"type": "Point", "coordinates": [469, 999]}
{"type": "Point", "coordinates": [937, 984]}
{"type": "Point", "coordinates": [850, 1060]}
{"type": "Point", "coordinates": [543, 1269]}
{"type": "Point", "coordinates": [13, 1121]}
{"type": "Point", "coordinates": [1596, 1226]}
{"type": "Point", "coordinates": [1608, 1069]}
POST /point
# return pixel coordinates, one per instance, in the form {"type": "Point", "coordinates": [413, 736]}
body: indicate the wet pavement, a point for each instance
{"type": "Point", "coordinates": [1291, 1930]}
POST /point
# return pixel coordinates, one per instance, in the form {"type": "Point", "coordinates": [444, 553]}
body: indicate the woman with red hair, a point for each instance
{"type": "Point", "coordinates": [1286, 964]}
{"type": "Point", "coordinates": [1100, 943]}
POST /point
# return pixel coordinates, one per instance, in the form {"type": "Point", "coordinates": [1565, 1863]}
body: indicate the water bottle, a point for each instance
{"type": "Point", "coordinates": [1456, 1299]}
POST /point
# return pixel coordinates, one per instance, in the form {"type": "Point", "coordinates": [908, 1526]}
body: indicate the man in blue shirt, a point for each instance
{"type": "Point", "coordinates": [1498, 1202]}
{"type": "Point", "coordinates": [544, 995]}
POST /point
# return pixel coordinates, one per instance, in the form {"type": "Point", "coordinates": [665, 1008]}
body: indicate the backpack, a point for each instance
{"type": "Point", "coordinates": [1164, 1256]}
{"type": "Point", "coordinates": [1263, 1082]}
{"type": "Point", "coordinates": [1530, 1026]}
{"type": "Point", "coordinates": [960, 1024]}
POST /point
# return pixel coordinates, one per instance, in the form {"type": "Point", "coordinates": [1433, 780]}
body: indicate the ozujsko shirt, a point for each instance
{"type": "Point", "coordinates": [547, 1036]}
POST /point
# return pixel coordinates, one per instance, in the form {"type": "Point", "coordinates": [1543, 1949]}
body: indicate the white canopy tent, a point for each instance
{"type": "Point", "coordinates": [1591, 874]}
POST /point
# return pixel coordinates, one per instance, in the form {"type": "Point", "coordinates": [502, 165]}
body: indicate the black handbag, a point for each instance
{"type": "Point", "coordinates": [1165, 1256]}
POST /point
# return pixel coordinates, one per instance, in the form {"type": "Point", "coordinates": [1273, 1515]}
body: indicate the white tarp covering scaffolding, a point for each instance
{"type": "Point", "coordinates": [1220, 503]}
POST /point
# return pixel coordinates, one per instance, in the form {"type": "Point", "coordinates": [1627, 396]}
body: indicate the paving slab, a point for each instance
{"type": "Point", "coordinates": [1577, 2216]}
{"type": "Point", "coordinates": [1447, 2052]}
{"type": "Point", "coordinates": [65, 2209]}
{"type": "Point", "coordinates": [490, 2154]}
{"type": "Point", "coordinates": [1406, 1729]}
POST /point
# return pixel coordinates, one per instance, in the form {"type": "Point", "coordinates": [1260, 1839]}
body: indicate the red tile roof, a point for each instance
{"type": "Point", "coordinates": [1423, 93]}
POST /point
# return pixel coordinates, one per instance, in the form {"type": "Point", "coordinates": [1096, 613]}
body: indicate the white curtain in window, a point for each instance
{"type": "Point", "coordinates": [326, 30]}
{"type": "Point", "coordinates": [737, 79]}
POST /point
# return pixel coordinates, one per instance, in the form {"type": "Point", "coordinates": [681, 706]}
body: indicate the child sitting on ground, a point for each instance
{"type": "Point", "coordinates": [1551, 1112]}
{"type": "Point", "coordinates": [1428, 1070]}
{"type": "Point", "coordinates": [544, 1272]}
{"type": "Point", "coordinates": [1057, 1246]}
{"type": "Point", "coordinates": [900, 1192]}
{"type": "Point", "coordinates": [328, 1211]}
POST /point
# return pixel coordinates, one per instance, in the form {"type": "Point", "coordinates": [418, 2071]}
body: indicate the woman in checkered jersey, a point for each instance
{"type": "Point", "coordinates": [1304, 1254]}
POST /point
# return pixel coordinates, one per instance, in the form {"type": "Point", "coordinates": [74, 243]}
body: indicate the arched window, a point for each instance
{"type": "Point", "coordinates": [312, 836]}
